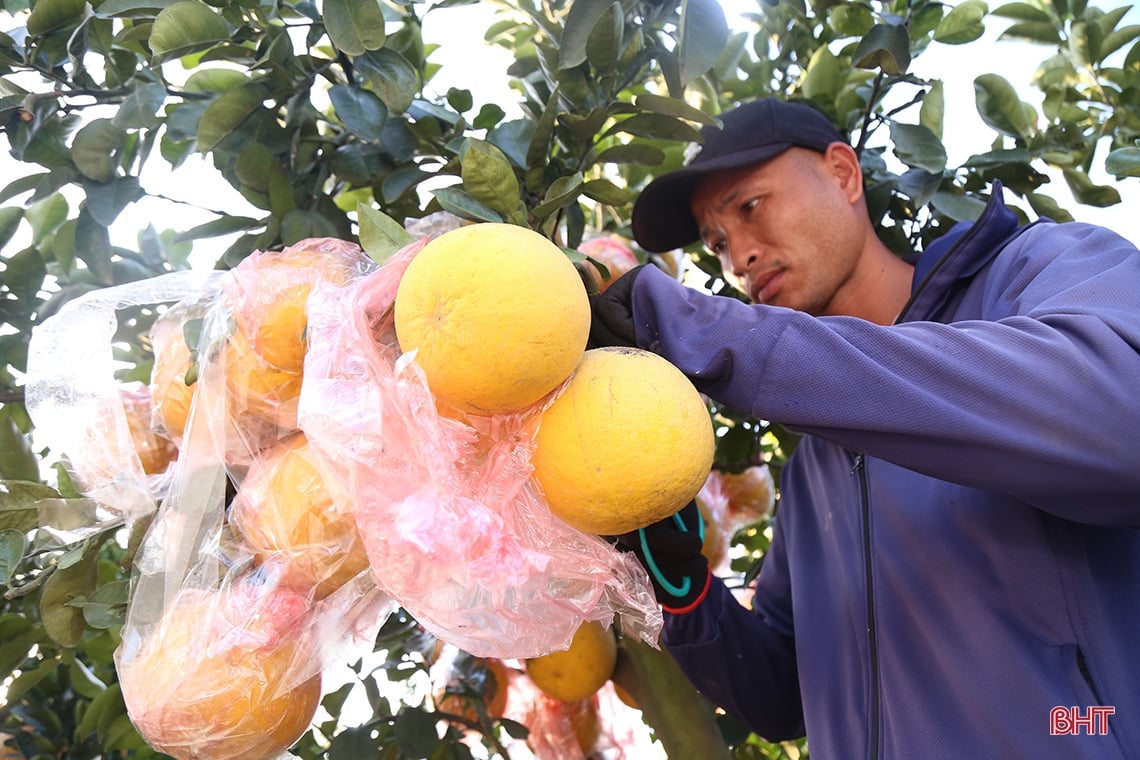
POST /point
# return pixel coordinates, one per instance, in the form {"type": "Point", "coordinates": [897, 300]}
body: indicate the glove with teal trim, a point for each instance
{"type": "Point", "coordinates": [670, 551]}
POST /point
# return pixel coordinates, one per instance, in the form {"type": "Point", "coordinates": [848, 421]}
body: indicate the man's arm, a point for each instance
{"type": "Point", "coordinates": [1040, 404]}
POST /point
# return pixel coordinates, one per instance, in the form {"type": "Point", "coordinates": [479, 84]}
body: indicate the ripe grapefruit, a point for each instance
{"type": "Point", "coordinates": [224, 675]}
{"type": "Point", "coordinates": [614, 252]}
{"type": "Point", "coordinates": [626, 443]}
{"type": "Point", "coordinates": [496, 314]}
{"type": "Point", "coordinates": [170, 394]}
{"type": "Point", "coordinates": [577, 672]}
{"type": "Point", "coordinates": [155, 452]}
{"type": "Point", "coordinates": [286, 515]}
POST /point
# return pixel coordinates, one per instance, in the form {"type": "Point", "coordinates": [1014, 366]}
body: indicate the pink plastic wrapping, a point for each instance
{"type": "Point", "coordinates": [452, 523]}
{"type": "Point", "coordinates": [316, 487]}
{"type": "Point", "coordinates": [730, 501]}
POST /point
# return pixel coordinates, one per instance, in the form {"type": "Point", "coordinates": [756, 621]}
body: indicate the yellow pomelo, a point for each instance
{"type": "Point", "coordinates": [286, 515]}
{"type": "Point", "coordinates": [268, 294]}
{"type": "Point", "coordinates": [496, 314]}
{"type": "Point", "coordinates": [224, 675]}
{"type": "Point", "coordinates": [170, 394]}
{"type": "Point", "coordinates": [577, 672]}
{"type": "Point", "coordinates": [256, 387]}
{"type": "Point", "coordinates": [628, 442]}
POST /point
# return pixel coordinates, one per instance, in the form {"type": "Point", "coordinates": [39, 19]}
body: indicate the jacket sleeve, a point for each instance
{"type": "Point", "coordinates": [1036, 398]}
{"type": "Point", "coordinates": [745, 660]}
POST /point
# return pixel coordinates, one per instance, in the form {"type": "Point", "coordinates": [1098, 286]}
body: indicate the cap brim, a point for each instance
{"type": "Point", "coordinates": [662, 219]}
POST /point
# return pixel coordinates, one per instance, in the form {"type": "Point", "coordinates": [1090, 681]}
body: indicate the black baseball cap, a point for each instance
{"type": "Point", "coordinates": [749, 134]}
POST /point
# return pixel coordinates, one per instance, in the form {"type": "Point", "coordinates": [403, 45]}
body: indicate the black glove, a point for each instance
{"type": "Point", "coordinates": [611, 313]}
{"type": "Point", "coordinates": [670, 550]}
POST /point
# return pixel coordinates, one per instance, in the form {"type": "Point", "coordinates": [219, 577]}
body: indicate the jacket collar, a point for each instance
{"type": "Point", "coordinates": [958, 255]}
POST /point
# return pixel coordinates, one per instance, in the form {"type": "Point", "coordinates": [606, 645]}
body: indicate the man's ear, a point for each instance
{"type": "Point", "coordinates": [843, 162]}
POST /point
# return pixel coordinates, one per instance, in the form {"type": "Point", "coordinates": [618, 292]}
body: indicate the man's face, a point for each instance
{"type": "Point", "coordinates": [786, 230]}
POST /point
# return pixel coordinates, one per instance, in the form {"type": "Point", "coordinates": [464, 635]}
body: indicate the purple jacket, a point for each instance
{"type": "Point", "coordinates": [957, 549]}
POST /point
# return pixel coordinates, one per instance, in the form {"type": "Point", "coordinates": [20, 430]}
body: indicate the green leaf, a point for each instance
{"type": "Point", "coordinates": [215, 81]}
{"type": "Point", "coordinates": [1118, 39]}
{"type": "Point", "coordinates": [93, 246]}
{"type": "Point", "coordinates": [139, 109]}
{"type": "Point", "coordinates": [932, 112]}
{"type": "Point", "coordinates": [300, 224]}
{"type": "Point", "coordinates": [604, 191]}
{"type": "Point", "coordinates": [603, 48]}
{"type": "Point", "coordinates": [17, 460]}
{"type": "Point", "coordinates": [656, 127]}
{"type": "Point", "coordinates": [458, 202]}
{"type": "Point", "coordinates": [1032, 31]}
{"type": "Point", "coordinates": [918, 147]}
{"type": "Point", "coordinates": [962, 24]}
{"type": "Point", "coordinates": [1022, 12]}
{"type": "Point", "coordinates": [354, 26]}
{"type": "Point", "coordinates": [885, 47]}
{"type": "Point", "coordinates": [49, 15]}
{"type": "Point", "coordinates": [666, 106]}
{"type": "Point", "coordinates": [223, 226]}
{"type": "Point", "coordinates": [17, 637]}
{"type": "Point", "coordinates": [581, 19]}
{"type": "Point", "coordinates": [488, 176]}
{"type": "Point", "coordinates": [851, 20]}
{"type": "Point", "coordinates": [13, 544]}
{"type": "Point", "coordinates": [701, 36]}
{"type": "Point", "coordinates": [226, 113]}
{"type": "Point", "coordinates": [1123, 162]}
{"type": "Point", "coordinates": [1000, 107]}
{"type": "Point", "coordinates": [362, 112]}
{"type": "Point", "coordinates": [1048, 207]}
{"type": "Point", "coordinates": [63, 622]}
{"type": "Point", "coordinates": [391, 76]}
{"type": "Point", "coordinates": [380, 234]}
{"type": "Point", "coordinates": [186, 27]}
{"type": "Point", "coordinates": [632, 153]}
{"type": "Point", "coordinates": [24, 274]}
{"type": "Point", "coordinates": [414, 731]}
{"type": "Point", "coordinates": [96, 149]}
{"type": "Point", "coordinates": [562, 192]}
{"type": "Point", "coordinates": [822, 79]}
{"type": "Point", "coordinates": [1088, 193]}
{"type": "Point", "coordinates": [10, 217]}
{"type": "Point", "coordinates": [107, 200]}
{"type": "Point", "coordinates": [958, 207]}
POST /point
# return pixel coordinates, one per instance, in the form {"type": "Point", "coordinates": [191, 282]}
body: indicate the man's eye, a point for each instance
{"type": "Point", "coordinates": [750, 205]}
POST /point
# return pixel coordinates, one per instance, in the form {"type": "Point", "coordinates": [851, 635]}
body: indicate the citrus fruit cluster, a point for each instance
{"type": "Point", "coordinates": [498, 320]}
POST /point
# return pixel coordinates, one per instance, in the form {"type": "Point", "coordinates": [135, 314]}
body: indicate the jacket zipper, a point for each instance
{"type": "Point", "coordinates": [859, 469]}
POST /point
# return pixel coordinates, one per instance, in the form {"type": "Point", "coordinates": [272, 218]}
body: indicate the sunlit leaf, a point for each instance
{"type": "Point", "coordinates": [488, 176]}
{"type": "Point", "coordinates": [701, 36]}
{"type": "Point", "coordinates": [380, 234]}
{"type": "Point", "coordinates": [459, 202]}
{"type": "Point", "coordinates": [354, 26]}
{"type": "Point", "coordinates": [962, 24]}
{"type": "Point", "coordinates": [885, 47]}
{"type": "Point", "coordinates": [49, 15]}
{"type": "Point", "coordinates": [580, 22]}
{"type": "Point", "coordinates": [917, 146]}
{"type": "Point", "coordinates": [226, 113]}
{"type": "Point", "coordinates": [666, 106]}
{"type": "Point", "coordinates": [656, 126]}
{"type": "Point", "coordinates": [603, 48]}
{"type": "Point", "coordinates": [96, 148]}
{"type": "Point", "coordinates": [999, 105]}
{"type": "Point", "coordinates": [391, 76]}
{"type": "Point", "coordinates": [933, 109]}
{"type": "Point", "coordinates": [186, 27]}
{"type": "Point", "coordinates": [822, 78]}
{"type": "Point", "coordinates": [1123, 162]}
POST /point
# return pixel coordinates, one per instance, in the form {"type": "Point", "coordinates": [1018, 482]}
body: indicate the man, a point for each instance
{"type": "Point", "coordinates": [955, 568]}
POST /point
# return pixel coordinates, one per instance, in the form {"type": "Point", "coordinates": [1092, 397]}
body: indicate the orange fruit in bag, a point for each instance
{"type": "Point", "coordinates": [286, 515]}
{"type": "Point", "coordinates": [577, 672]}
{"type": "Point", "coordinates": [627, 442]}
{"type": "Point", "coordinates": [492, 684]}
{"type": "Point", "coordinates": [496, 314]}
{"type": "Point", "coordinates": [224, 674]}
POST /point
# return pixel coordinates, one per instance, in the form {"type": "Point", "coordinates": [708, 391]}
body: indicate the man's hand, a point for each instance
{"type": "Point", "coordinates": [670, 550]}
{"type": "Point", "coordinates": [611, 321]}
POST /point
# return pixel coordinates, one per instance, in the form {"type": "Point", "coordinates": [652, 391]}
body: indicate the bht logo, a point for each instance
{"type": "Point", "coordinates": [1070, 720]}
